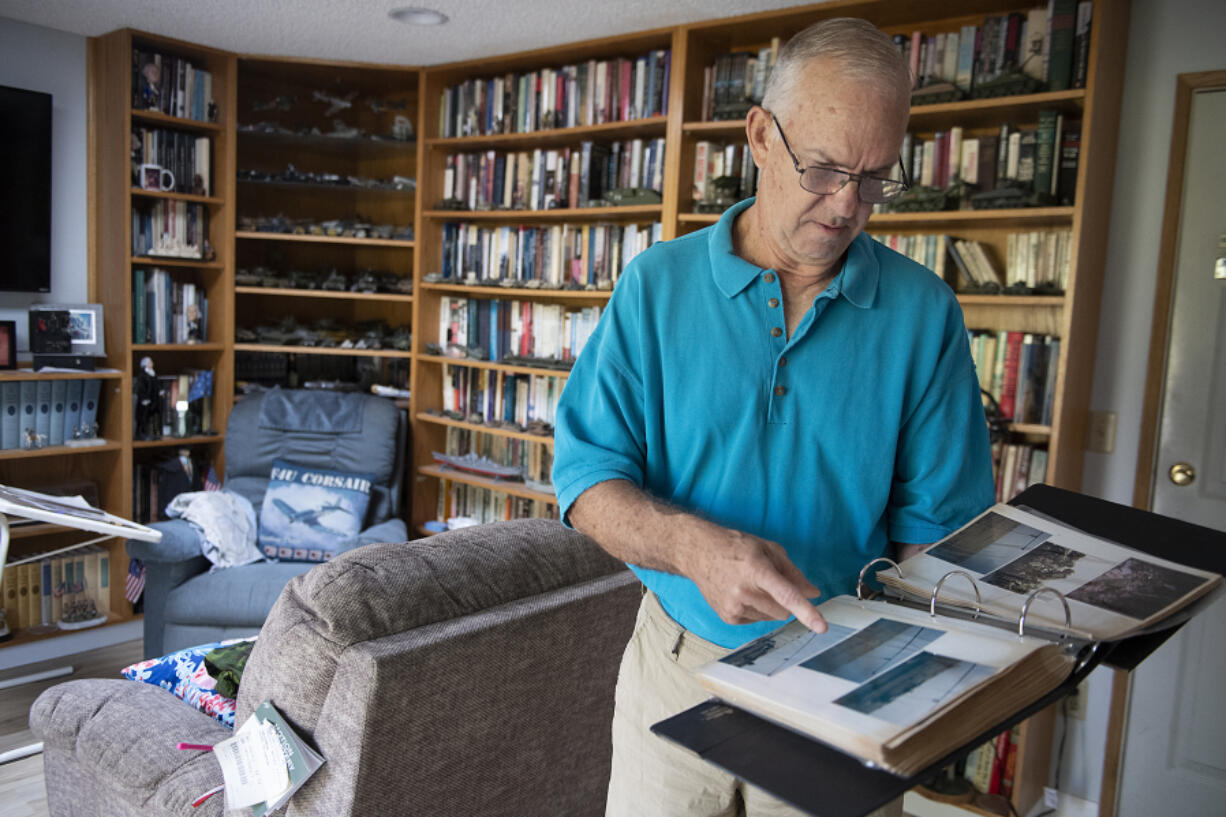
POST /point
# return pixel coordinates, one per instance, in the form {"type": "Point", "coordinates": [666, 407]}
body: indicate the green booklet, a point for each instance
{"type": "Point", "coordinates": [301, 760]}
{"type": "Point", "coordinates": [265, 762]}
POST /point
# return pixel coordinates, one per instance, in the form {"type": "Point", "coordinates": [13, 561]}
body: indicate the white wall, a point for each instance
{"type": "Point", "coordinates": [43, 59]}
{"type": "Point", "coordinates": [1166, 38]}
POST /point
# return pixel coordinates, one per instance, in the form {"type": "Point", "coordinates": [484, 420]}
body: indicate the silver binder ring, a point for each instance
{"type": "Point", "coordinates": [860, 583]}
{"type": "Point", "coordinates": [1068, 617]}
{"type": "Point", "coordinates": [932, 605]}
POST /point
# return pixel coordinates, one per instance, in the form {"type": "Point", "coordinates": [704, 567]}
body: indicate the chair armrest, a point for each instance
{"type": "Point", "coordinates": [180, 543]}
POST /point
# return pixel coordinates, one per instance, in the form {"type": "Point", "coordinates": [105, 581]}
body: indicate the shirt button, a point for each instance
{"type": "Point", "coordinates": [773, 302]}
{"type": "Point", "coordinates": [780, 391]}
{"type": "Point", "coordinates": [776, 332]}
{"type": "Point", "coordinates": [783, 361]}
{"type": "Point", "coordinates": [769, 277]}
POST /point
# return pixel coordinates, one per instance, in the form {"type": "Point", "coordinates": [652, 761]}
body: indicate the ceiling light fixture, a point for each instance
{"type": "Point", "coordinates": [418, 16]}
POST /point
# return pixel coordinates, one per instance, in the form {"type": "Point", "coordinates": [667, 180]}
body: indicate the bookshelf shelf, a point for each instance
{"type": "Point", "coordinates": [315, 187]}
{"type": "Point", "coordinates": [582, 295]}
{"type": "Point", "coordinates": [1035, 301]}
{"type": "Point", "coordinates": [506, 368]}
{"type": "Point", "coordinates": [484, 429]}
{"type": "Point", "coordinates": [171, 442]}
{"type": "Point", "coordinates": [640, 211]}
{"type": "Point", "coordinates": [163, 120]}
{"type": "Point", "coordinates": [329, 144]}
{"type": "Point", "coordinates": [322, 350]}
{"type": "Point", "coordinates": [182, 263]}
{"type": "Point", "coordinates": [249, 235]}
{"type": "Point", "coordinates": [506, 487]}
{"type": "Point", "coordinates": [58, 451]}
{"type": "Point", "coordinates": [178, 347]}
{"type": "Point", "coordinates": [212, 201]}
{"type": "Point", "coordinates": [554, 137]}
{"type": "Point", "coordinates": [29, 374]}
{"type": "Point", "coordinates": [1028, 217]}
{"type": "Point", "coordinates": [334, 295]}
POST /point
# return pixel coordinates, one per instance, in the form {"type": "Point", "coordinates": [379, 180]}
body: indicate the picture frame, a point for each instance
{"type": "Point", "coordinates": [85, 327]}
{"type": "Point", "coordinates": [8, 345]}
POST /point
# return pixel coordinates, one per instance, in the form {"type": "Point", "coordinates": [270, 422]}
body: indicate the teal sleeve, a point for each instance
{"type": "Point", "coordinates": [943, 470]}
{"type": "Point", "coordinates": [599, 426]}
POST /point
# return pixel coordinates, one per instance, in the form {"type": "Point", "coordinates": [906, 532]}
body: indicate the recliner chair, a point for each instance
{"type": "Point", "coordinates": [185, 603]}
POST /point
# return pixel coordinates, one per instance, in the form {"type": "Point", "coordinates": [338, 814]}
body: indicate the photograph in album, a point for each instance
{"type": "Point", "coordinates": [1111, 591]}
{"type": "Point", "coordinates": [889, 684]}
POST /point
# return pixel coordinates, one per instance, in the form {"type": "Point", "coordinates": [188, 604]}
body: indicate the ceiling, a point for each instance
{"type": "Point", "coordinates": [360, 30]}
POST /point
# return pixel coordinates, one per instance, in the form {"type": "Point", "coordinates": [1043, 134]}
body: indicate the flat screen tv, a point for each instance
{"type": "Point", "coordinates": [25, 190]}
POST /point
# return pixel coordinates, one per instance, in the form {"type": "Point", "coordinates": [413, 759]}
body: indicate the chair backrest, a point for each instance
{"type": "Point", "coordinates": [488, 656]}
{"type": "Point", "coordinates": [341, 431]}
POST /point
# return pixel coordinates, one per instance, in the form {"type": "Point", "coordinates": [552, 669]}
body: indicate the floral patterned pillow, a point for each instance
{"type": "Point", "coordinates": [184, 675]}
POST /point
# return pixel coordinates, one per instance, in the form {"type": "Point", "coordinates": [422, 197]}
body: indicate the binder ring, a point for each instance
{"type": "Point", "coordinates": [932, 605]}
{"type": "Point", "coordinates": [1068, 617]}
{"type": "Point", "coordinates": [863, 570]}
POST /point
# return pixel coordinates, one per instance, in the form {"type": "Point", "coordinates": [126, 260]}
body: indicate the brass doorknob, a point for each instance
{"type": "Point", "coordinates": [1182, 473]}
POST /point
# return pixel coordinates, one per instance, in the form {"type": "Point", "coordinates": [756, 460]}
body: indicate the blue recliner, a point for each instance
{"type": "Point", "coordinates": [185, 604]}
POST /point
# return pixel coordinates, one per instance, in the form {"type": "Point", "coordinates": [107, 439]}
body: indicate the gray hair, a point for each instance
{"type": "Point", "coordinates": [862, 51]}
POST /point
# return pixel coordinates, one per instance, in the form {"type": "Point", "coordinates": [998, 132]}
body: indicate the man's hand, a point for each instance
{"type": "Point", "coordinates": [746, 579]}
{"type": "Point", "coordinates": [743, 577]}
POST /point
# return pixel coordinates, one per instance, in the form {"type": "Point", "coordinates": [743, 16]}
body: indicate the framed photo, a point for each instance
{"type": "Point", "coordinates": [8, 344]}
{"type": "Point", "coordinates": [85, 327]}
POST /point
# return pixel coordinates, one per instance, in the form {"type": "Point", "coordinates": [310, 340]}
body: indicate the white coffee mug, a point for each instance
{"type": "Point", "coordinates": [156, 177]}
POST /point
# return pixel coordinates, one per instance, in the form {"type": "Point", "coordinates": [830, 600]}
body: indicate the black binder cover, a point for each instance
{"type": "Point", "coordinates": [825, 782]}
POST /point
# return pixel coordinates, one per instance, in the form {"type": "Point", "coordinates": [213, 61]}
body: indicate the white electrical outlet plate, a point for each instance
{"type": "Point", "coordinates": [1051, 797]}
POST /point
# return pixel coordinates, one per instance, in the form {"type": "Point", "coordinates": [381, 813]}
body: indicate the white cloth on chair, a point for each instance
{"type": "Point", "coordinates": [226, 522]}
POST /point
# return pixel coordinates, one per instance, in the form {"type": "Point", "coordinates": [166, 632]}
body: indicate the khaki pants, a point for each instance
{"type": "Point", "coordinates": [652, 777]}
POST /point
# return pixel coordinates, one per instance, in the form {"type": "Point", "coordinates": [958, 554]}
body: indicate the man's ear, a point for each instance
{"type": "Point", "coordinates": [758, 125]}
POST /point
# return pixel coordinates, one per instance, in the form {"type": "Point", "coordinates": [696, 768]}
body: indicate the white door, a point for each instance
{"type": "Point", "coordinates": [1175, 744]}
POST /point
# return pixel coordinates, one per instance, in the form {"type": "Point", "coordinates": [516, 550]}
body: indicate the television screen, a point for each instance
{"type": "Point", "coordinates": [25, 190]}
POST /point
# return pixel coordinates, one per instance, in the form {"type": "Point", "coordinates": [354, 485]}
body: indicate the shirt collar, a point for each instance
{"type": "Point", "coordinates": [856, 281]}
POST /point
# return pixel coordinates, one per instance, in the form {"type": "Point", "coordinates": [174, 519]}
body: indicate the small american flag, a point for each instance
{"type": "Point", "coordinates": [135, 583]}
{"type": "Point", "coordinates": [211, 482]}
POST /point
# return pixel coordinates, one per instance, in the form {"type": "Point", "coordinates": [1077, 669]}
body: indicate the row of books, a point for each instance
{"type": "Point", "coordinates": [186, 156]}
{"type": "Point", "coordinates": [180, 405]}
{"type": "Point", "coordinates": [586, 93]}
{"type": "Point", "coordinates": [557, 255]}
{"type": "Point", "coordinates": [1017, 466]}
{"type": "Point", "coordinates": [66, 586]}
{"type": "Point", "coordinates": [1049, 44]}
{"type": "Point", "coordinates": [713, 161]}
{"type": "Point", "coordinates": [1019, 370]}
{"type": "Point", "coordinates": [1036, 260]}
{"type": "Point", "coordinates": [485, 505]}
{"type": "Point", "coordinates": [547, 179]}
{"type": "Point", "coordinates": [34, 413]}
{"type": "Point", "coordinates": [736, 81]}
{"type": "Point", "coordinates": [171, 85]}
{"type": "Point", "coordinates": [490, 396]}
{"type": "Point", "coordinates": [1042, 159]}
{"type": "Point", "coordinates": [165, 310]}
{"type": "Point", "coordinates": [524, 329]}
{"type": "Point", "coordinates": [170, 229]}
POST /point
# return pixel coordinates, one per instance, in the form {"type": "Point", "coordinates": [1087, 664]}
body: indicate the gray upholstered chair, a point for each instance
{"type": "Point", "coordinates": [470, 674]}
{"type": "Point", "coordinates": [185, 603]}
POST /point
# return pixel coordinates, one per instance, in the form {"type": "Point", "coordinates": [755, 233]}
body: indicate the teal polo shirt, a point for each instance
{"type": "Point", "coordinates": [864, 427]}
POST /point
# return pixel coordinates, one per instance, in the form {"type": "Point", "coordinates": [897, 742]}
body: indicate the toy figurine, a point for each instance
{"type": "Point", "coordinates": [148, 416]}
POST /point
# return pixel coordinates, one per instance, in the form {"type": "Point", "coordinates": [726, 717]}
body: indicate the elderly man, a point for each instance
{"type": "Point", "coordinates": [767, 405]}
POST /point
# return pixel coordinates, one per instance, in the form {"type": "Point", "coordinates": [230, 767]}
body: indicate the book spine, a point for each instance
{"type": "Point", "coordinates": [1008, 390]}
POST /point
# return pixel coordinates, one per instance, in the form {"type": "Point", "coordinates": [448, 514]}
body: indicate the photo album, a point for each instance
{"type": "Point", "coordinates": [900, 682]}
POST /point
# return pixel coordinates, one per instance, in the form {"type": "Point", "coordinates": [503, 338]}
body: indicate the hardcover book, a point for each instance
{"type": "Point", "coordinates": [965, 637]}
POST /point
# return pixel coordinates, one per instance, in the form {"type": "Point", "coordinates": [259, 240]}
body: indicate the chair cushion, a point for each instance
{"type": "Point", "coordinates": [308, 513]}
{"type": "Point", "coordinates": [233, 597]}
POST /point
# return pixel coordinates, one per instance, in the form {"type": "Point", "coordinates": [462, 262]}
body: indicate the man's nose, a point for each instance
{"type": "Point", "coordinates": [846, 200]}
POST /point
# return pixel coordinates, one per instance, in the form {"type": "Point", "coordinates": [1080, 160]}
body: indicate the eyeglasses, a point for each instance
{"type": "Point", "coordinates": [823, 181]}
